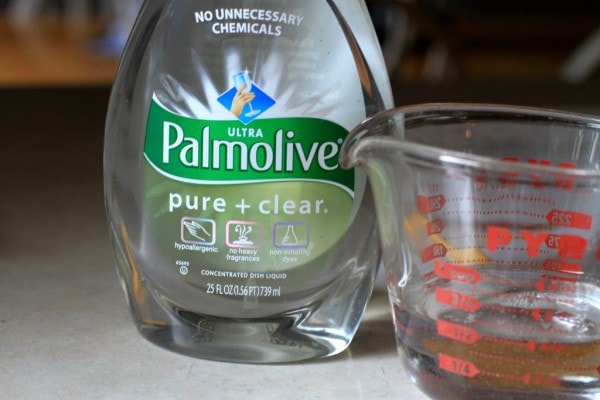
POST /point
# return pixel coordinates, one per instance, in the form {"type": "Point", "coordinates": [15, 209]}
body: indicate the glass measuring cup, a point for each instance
{"type": "Point", "coordinates": [490, 226]}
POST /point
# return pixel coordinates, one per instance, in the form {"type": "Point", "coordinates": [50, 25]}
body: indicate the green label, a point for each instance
{"type": "Point", "coordinates": [224, 152]}
{"type": "Point", "coordinates": [244, 209]}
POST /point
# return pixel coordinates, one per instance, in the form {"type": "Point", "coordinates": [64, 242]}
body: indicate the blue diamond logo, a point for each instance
{"type": "Point", "coordinates": [245, 100]}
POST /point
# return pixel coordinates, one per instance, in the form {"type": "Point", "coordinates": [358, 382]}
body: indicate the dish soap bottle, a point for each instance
{"type": "Point", "coordinates": [237, 235]}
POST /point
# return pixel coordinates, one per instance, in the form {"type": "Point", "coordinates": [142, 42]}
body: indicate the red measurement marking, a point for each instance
{"type": "Point", "coordinates": [456, 273]}
{"type": "Point", "coordinates": [562, 266]}
{"type": "Point", "coordinates": [457, 366]}
{"type": "Point", "coordinates": [567, 245]}
{"type": "Point", "coordinates": [457, 332]}
{"type": "Point", "coordinates": [542, 315]}
{"type": "Point", "coordinates": [432, 252]}
{"type": "Point", "coordinates": [570, 219]}
{"type": "Point", "coordinates": [549, 347]}
{"type": "Point", "coordinates": [552, 241]}
{"type": "Point", "coordinates": [427, 205]}
{"type": "Point", "coordinates": [555, 284]}
{"type": "Point", "coordinates": [457, 300]}
{"type": "Point", "coordinates": [540, 380]}
{"type": "Point", "coordinates": [435, 227]}
{"type": "Point", "coordinates": [509, 178]}
{"type": "Point", "coordinates": [535, 177]}
{"type": "Point", "coordinates": [530, 345]}
{"type": "Point", "coordinates": [561, 181]}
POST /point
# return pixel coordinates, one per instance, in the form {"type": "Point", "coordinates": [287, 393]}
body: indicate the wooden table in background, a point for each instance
{"type": "Point", "coordinates": [53, 52]}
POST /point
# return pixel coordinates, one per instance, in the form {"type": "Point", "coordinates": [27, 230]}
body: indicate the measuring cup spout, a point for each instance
{"type": "Point", "coordinates": [382, 158]}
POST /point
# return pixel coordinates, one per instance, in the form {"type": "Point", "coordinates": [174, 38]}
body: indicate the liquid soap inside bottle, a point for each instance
{"type": "Point", "coordinates": [237, 235]}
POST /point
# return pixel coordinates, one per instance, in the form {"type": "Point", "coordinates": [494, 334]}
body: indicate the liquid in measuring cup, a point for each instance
{"type": "Point", "coordinates": [466, 342]}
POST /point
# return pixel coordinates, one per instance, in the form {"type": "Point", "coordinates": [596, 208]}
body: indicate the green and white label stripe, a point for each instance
{"type": "Point", "coordinates": [228, 152]}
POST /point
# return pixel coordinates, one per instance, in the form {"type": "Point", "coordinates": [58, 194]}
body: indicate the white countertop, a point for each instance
{"type": "Point", "coordinates": [65, 330]}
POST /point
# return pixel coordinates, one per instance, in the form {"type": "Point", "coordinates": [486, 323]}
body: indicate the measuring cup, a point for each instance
{"type": "Point", "coordinates": [490, 225]}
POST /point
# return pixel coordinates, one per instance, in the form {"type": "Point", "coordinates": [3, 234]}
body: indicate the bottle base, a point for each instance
{"type": "Point", "coordinates": [278, 339]}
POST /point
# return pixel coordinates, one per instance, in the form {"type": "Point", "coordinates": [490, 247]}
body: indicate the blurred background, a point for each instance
{"type": "Point", "coordinates": [533, 52]}
{"type": "Point", "coordinates": [62, 42]}
{"type": "Point", "coordinates": [61, 310]}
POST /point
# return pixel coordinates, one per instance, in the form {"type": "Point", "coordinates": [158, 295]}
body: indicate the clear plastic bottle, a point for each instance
{"type": "Point", "coordinates": [222, 139]}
